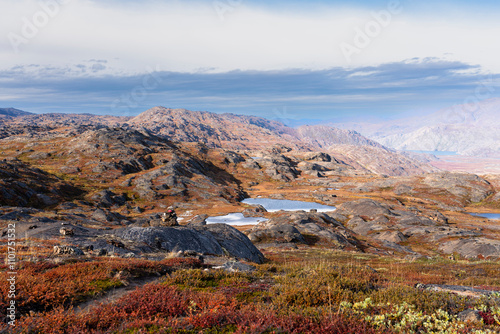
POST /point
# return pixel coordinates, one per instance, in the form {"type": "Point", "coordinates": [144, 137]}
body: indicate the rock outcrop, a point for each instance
{"type": "Point", "coordinates": [23, 185]}
{"type": "Point", "coordinates": [303, 227]}
{"type": "Point", "coordinates": [473, 248]}
{"type": "Point", "coordinates": [213, 239]}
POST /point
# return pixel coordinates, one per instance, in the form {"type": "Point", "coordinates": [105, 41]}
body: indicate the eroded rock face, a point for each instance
{"type": "Point", "coordinates": [213, 239]}
{"type": "Point", "coordinates": [473, 248]}
{"type": "Point", "coordinates": [318, 156]}
{"type": "Point", "coordinates": [279, 167]}
{"type": "Point", "coordinates": [292, 227]}
{"type": "Point", "coordinates": [233, 158]}
{"type": "Point", "coordinates": [22, 185]}
{"type": "Point", "coordinates": [232, 241]}
{"type": "Point", "coordinates": [469, 187]}
{"type": "Point", "coordinates": [107, 198]}
{"type": "Point", "coordinates": [364, 207]}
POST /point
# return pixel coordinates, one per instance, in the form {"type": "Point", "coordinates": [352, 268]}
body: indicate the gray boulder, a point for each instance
{"type": "Point", "coordinates": [254, 211]}
{"type": "Point", "coordinates": [214, 239]}
{"type": "Point", "coordinates": [283, 232]}
{"type": "Point", "coordinates": [198, 220]}
{"type": "Point", "coordinates": [473, 248]}
{"type": "Point", "coordinates": [364, 207]}
{"type": "Point", "coordinates": [67, 250]}
{"type": "Point", "coordinates": [232, 241]}
{"type": "Point", "coordinates": [469, 316]}
{"type": "Point", "coordinates": [170, 239]}
{"type": "Point", "coordinates": [235, 266]}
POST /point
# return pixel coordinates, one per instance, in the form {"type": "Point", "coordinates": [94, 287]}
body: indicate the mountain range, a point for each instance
{"type": "Point", "coordinates": [468, 129]}
{"type": "Point", "coordinates": [255, 133]}
{"type": "Point", "coordinates": [233, 132]}
{"type": "Point", "coordinates": [12, 112]}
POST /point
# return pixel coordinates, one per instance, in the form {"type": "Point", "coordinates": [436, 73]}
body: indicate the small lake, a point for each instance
{"type": "Point", "coordinates": [487, 215]}
{"type": "Point", "coordinates": [436, 153]}
{"type": "Point", "coordinates": [235, 219]}
{"type": "Point", "coordinates": [273, 205]}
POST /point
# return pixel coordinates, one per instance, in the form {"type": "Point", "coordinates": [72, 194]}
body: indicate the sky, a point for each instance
{"type": "Point", "coordinates": [295, 61]}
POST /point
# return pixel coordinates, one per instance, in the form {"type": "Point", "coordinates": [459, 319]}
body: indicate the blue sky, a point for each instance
{"type": "Point", "coordinates": [290, 60]}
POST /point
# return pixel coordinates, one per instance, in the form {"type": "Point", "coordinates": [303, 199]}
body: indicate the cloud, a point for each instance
{"type": "Point", "coordinates": [386, 89]}
{"type": "Point", "coordinates": [185, 36]}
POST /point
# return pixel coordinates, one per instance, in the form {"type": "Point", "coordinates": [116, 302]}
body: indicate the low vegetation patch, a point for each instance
{"type": "Point", "coordinates": [44, 286]}
{"type": "Point", "coordinates": [300, 291]}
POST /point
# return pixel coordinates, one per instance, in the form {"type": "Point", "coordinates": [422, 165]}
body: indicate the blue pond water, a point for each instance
{"type": "Point", "coordinates": [436, 153]}
{"type": "Point", "coordinates": [487, 215]}
{"type": "Point", "coordinates": [270, 205]}
{"type": "Point", "coordinates": [235, 219]}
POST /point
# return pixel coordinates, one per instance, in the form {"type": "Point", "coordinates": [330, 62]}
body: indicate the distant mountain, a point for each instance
{"type": "Point", "coordinates": [361, 152]}
{"type": "Point", "coordinates": [12, 112]}
{"type": "Point", "coordinates": [218, 130]}
{"type": "Point", "coordinates": [324, 136]}
{"type": "Point", "coordinates": [255, 133]}
{"type": "Point", "coordinates": [468, 129]}
{"type": "Point", "coordinates": [227, 131]}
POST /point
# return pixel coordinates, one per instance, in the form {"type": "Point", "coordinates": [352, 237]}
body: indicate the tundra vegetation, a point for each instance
{"type": "Point", "coordinates": [109, 220]}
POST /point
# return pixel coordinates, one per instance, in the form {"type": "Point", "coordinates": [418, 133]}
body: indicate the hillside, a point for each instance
{"type": "Point", "coordinates": [322, 136]}
{"type": "Point", "coordinates": [227, 131]}
{"type": "Point", "coordinates": [215, 130]}
{"type": "Point", "coordinates": [12, 112]}
{"type": "Point", "coordinates": [255, 133]}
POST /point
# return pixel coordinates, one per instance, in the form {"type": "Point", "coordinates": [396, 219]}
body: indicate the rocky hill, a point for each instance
{"type": "Point", "coordinates": [215, 130]}
{"type": "Point", "coordinates": [254, 133]}
{"type": "Point", "coordinates": [12, 112]}
{"type": "Point", "coordinates": [112, 185]}
{"type": "Point", "coordinates": [227, 131]}
{"type": "Point", "coordinates": [23, 185]}
{"type": "Point", "coordinates": [323, 136]}
{"type": "Point", "coordinates": [361, 152]}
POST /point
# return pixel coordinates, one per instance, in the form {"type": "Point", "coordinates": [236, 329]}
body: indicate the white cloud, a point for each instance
{"type": "Point", "coordinates": [180, 36]}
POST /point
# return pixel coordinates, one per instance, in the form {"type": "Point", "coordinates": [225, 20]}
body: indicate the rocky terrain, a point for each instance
{"type": "Point", "coordinates": [109, 180]}
{"type": "Point", "coordinates": [230, 132]}
{"type": "Point", "coordinates": [128, 199]}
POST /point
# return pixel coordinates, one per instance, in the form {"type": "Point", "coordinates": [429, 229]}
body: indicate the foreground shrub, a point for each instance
{"type": "Point", "coordinates": [43, 286]}
{"type": "Point", "coordinates": [162, 308]}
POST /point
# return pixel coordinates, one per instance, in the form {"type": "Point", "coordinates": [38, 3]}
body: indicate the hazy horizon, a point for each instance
{"type": "Point", "coordinates": [298, 60]}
